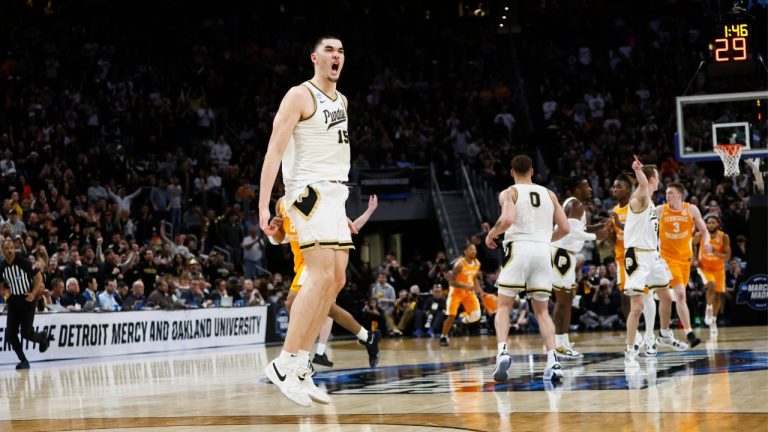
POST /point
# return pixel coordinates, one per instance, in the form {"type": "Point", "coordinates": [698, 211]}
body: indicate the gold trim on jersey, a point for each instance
{"type": "Point", "coordinates": [514, 198]}
{"type": "Point", "coordinates": [638, 212]}
{"type": "Point", "coordinates": [318, 89]}
{"type": "Point", "coordinates": [314, 102]}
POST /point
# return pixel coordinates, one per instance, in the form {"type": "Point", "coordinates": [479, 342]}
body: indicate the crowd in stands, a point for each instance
{"type": "Point", "coordinates": [129, 158]}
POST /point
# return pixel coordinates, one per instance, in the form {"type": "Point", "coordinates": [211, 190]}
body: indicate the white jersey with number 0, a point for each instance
{"type": "Point", "coordinates": [318, 150]}
{"type": "Point", "coordinates": [533, 215]}
{"type": "Point", "coordinates": [642, 229]}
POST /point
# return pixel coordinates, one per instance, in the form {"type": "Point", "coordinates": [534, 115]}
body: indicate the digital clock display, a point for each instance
{"type": "Point", "coordinates": [732, 43]}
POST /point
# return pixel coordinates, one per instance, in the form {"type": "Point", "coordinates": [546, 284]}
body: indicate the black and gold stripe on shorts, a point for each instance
{"type": "Point", "coordinates": [328, 244]}
{"type": "Point", "coordinates": [538, 290]}
{"type": "Point", "coordinates": [653, 287]}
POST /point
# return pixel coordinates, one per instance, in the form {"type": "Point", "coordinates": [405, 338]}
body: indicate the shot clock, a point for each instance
{"type": "Point", "coordinates": [732, 44]}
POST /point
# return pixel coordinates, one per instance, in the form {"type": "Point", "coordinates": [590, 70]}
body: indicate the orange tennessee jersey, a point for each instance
{"type": "Point", "coordinates": [711, 261]}
{"type": "Point", "coordinates": [619, 247]}
{"type": "Point", "coordinates": [468, 272]}
{"type": "Point", "coordinates": [676, 233]}
{"type": "Point", "coordinates": [293, 238]}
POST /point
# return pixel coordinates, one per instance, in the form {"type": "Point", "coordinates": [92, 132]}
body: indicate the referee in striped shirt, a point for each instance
{"type": "Point", "coordinates": [26, 285]}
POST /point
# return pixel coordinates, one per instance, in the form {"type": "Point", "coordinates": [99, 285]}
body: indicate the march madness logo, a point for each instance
{"type": "Point", "coordinates": [754, 292]}
{"type": "Point", "coordinates": [596, 371]}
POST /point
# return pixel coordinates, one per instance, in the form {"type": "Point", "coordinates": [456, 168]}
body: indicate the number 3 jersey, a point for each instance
{"type": "Point", "coordinates": [676, 233]}
{"type": "Point", "coordinates": [533, 215]}
{"type": "Point", "coordinates": [641, 230]}
{"type": "Point", "coordinates": [318, 149]}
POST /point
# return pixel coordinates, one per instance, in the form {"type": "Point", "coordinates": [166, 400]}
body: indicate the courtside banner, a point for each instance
{"type": "Point", "coordinates": [89, 334]}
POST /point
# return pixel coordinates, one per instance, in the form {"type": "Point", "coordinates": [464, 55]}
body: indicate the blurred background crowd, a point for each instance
{"type": "Point", "coordinates": [130, 158]}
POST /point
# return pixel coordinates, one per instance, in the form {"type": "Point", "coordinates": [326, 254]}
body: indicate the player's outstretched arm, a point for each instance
{"type": "Point", "coordinates": [373, 202]}
{"type": "Point", "coordinates": [640, 197]}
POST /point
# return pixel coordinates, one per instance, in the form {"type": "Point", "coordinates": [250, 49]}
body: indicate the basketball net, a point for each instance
{"type": "Point", "coordinates": [730, 155]}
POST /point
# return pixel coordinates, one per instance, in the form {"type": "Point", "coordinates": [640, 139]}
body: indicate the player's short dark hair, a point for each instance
{"type": "Point", "coordinates": [650, 171]}
{"type": "Point", "coordinates": [573, 183]}
{"type": "Point", "coordinates": [625, 179]}
{"type": "Point", "coordinates": [318, 40]}
{"type": "Point", "coordinates": [522, 164]}
{"type": "Point", "coordinates": [711, 216]}
{"type": "Point", "coordinates": [679, 187]}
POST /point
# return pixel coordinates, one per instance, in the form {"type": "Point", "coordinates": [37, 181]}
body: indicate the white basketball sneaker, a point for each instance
{"type": "Point", "coordinates": [287, 380]}
{"type": "Point", "coordinates": [553, 372]}
{"type": "Point", "coordinates": [503, 362]}
{"type": "Point", "coordinates": [630, 358]}
{"type": "Point", "coordinates": [649, 346]}
{"type": "Point", "coordinates": [568, 352]}
{"type": "Point", "coordinates": [670, 341]}
{"type": "Point", "coordinates": [308, 384]}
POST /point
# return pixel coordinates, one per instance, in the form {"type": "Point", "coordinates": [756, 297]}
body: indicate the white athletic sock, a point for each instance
{"type": "Point", "coordinates": [320, 349]}
{"type": "Point", "coordinates": [666, 333]}
{"type": "Point", "coordinates": [649, 312]}
{"type": "Point", "coordinates": [710, 307]}
{"type": "Point", "coordinates": [559, 340]}
{"type": "Point", "coordinates": [567, 340]}
{"type": "Point", "coordinates": [302, 359]}
{"type": "Point", "coordinates": [286, 359]}
{"type": "Point", "coordinates": [362, 334]}
{"type": "Point", "coordinates": [502, 347]}
{"type": "Point", "coordinates": [688, 331]}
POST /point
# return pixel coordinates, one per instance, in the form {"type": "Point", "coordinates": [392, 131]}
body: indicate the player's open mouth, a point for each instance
{"type": "Point", "coordinates": [335, 67]}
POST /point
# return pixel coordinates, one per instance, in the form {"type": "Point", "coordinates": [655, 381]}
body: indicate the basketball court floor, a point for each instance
{"type": "Point", "coordinates": [721, 385]}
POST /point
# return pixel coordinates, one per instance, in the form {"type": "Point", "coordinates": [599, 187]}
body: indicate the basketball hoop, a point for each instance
{"type": "Point", "coordinates": [730, 155]}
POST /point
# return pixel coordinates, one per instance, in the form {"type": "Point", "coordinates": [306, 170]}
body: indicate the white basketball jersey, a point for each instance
{"type": "Point", "coordinates": [319, 146]}
{"type": "Point", "coordinates": [642, 229]}
{"type": "Point", "coordinates": [533, 215]}
{"type": "Point", "coordinates": [568, 242]}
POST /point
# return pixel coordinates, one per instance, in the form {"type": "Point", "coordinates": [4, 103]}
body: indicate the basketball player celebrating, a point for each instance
{"type": "Point", "coordinates": [622, 191]}
{"type": "Point", "coordinates": [564, 261]}
{"type": "Point", "coordinates": [642, 261]}
{"type": "Point", "coordinates": [712, 268]}
{"type": "Point", "coordinates": [309, 135]}
{"type": "Point", "coordinates": [677, 219]}
{"type": "Point", "coordinates": [527, 214]}
{"type": "Point", "coordinates": [463, 288]}
{"type": "Point", "coordinates": [286, 231]}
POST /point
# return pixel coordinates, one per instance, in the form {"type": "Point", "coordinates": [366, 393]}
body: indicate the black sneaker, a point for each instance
{"type": "Point", "coordinates": [372, 346]}
{"type": "Point", "coordinates": [693, 340]}
{"type": "Point", "coordinates": [46, 342]}
{"type": "Point", "coordinates": [22, 365]}
{"type": "Point", "coordinates": [322, 360]}
{"type": "Point", "coordinates": [444, 341]}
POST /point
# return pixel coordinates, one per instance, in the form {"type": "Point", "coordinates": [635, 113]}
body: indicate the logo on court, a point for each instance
{"type": "Point", "coordinates": [596, 371]}
{"type": "Point", "coordinates": [754, 292]}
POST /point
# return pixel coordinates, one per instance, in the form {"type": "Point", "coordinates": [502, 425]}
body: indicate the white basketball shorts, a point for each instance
{"type": "Point", "coordinates": [318, 211]}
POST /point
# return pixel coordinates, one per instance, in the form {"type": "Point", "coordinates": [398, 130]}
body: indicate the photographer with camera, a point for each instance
{"type": "Point", "coordinates": [405, 305]}
{"type": "Point", "coordinates": [429, 317]}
